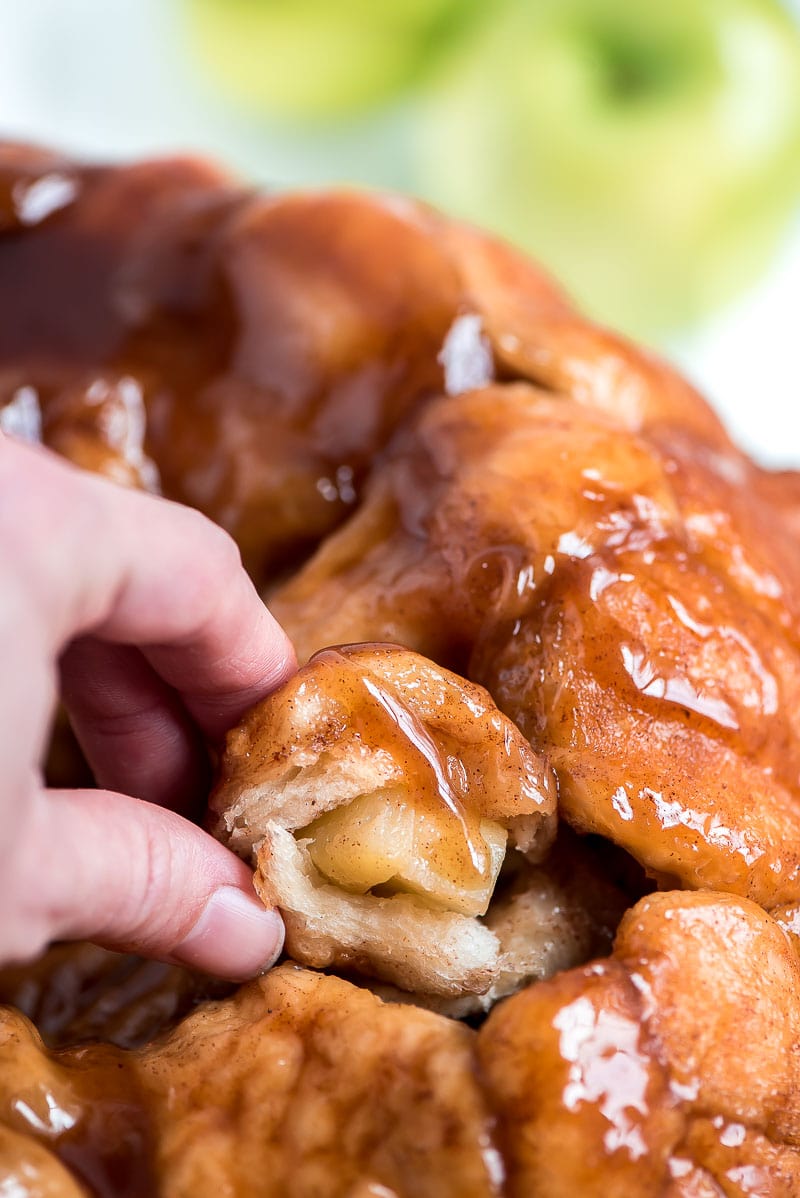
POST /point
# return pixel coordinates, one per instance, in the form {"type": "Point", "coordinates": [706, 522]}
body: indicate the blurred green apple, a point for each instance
{"type": "Point", "coordinates": [648, 151]}
{"type": "Point", "coordinates": [312, 59]}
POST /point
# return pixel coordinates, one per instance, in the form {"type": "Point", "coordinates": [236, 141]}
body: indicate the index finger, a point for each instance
{"type": "Point", "coordinates": [138, 570]}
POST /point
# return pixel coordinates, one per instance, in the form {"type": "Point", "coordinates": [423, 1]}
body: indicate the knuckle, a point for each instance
{"type": "Point", "coordinates": [160, 906]}
{"type": "Point", "coordinates": [215, 560]}
{"type": "Point", "coordinates": [29, 914]}
{"type": "Point", "coordinates": [225, 549]}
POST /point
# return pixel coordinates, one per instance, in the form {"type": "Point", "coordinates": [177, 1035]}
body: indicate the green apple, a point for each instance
{"type": "Point", "coordinates": [317, 59]}
{"type": "Point", "coordinates": [648, 151]}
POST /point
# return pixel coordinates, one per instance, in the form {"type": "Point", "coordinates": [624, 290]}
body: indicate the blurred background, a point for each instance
{"type": "Point", "coordinates": [648, 152]}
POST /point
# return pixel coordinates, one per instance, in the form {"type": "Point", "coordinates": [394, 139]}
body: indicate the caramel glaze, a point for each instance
{"type": "Point", "coordinates": [76, 993]}
{"type": "Point", "coordinates": [302, 1085]}
{"type": "Point", "coordinates": [84, 1106]}
{"type": "Point", "coordinates": [439, 737]}
{"type": "Point", "coordinates": [590, 547]}
{"type": "Point", "coordinates": [669, 1069]}
{"type": "Point", "coordinates": [434, 769]}
{"type": "Point", "coordinates": [28, 1168]}
{"type": "Point", "coordinates": [631, 600]}
{"type": "Point", "coordinates": [256, 351]}
{"type": "Point", "coordinates": [250, 355]}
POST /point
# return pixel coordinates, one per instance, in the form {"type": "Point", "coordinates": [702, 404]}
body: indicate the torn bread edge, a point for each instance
{"type": "Point", "coordinates": [397, 938]}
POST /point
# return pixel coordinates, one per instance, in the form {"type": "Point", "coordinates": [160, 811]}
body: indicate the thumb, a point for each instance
{"type": "Point", "coordinates": [131, 875]}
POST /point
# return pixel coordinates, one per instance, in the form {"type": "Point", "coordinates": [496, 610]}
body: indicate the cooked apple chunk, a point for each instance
{"type": "Point", "coordinates": [381, 840]}
{"type": "Point", "coordinates": [377, 795]}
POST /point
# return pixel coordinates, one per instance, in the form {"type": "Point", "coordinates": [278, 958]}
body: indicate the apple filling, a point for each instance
{"type": "Point", "coordinates": [384, 843]}
{"type": "Point", "coordinates": [376, 795]}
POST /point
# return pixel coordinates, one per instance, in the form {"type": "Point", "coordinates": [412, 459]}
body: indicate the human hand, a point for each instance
{"type": "Point", "coordinates": [139, 613]}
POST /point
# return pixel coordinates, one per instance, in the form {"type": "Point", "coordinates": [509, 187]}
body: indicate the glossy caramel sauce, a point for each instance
{"type": "Point", "coordinates": [435, 742]}
{"type": "Point", "coordinates": [586, 543]}
{"type": "Point", "coordinates": [76, 993]}
{"type": "Point", "coordinates": [432, 769]}
{"type": "Point", "coordinates": [627, 599]}
{"type": "Point", "coordinates": [85, 1104]}
{"type": "Point", "coordinates": [85, 1107]}
{"type": "Point", "coordinates": [247, 355]}
{"type": "Point", "coordinates": [673, 1059]}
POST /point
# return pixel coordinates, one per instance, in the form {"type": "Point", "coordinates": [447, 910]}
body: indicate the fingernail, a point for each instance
{"type": "Point", "coordinates": [235, 937]}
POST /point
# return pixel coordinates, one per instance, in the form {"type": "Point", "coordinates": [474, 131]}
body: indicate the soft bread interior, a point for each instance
{"type": "Point", "coordinates": [397, 938]}
{"type": "Point", "coordinates": [379, 796]}
{"type": "Point", "coordinates": [546, 918]}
